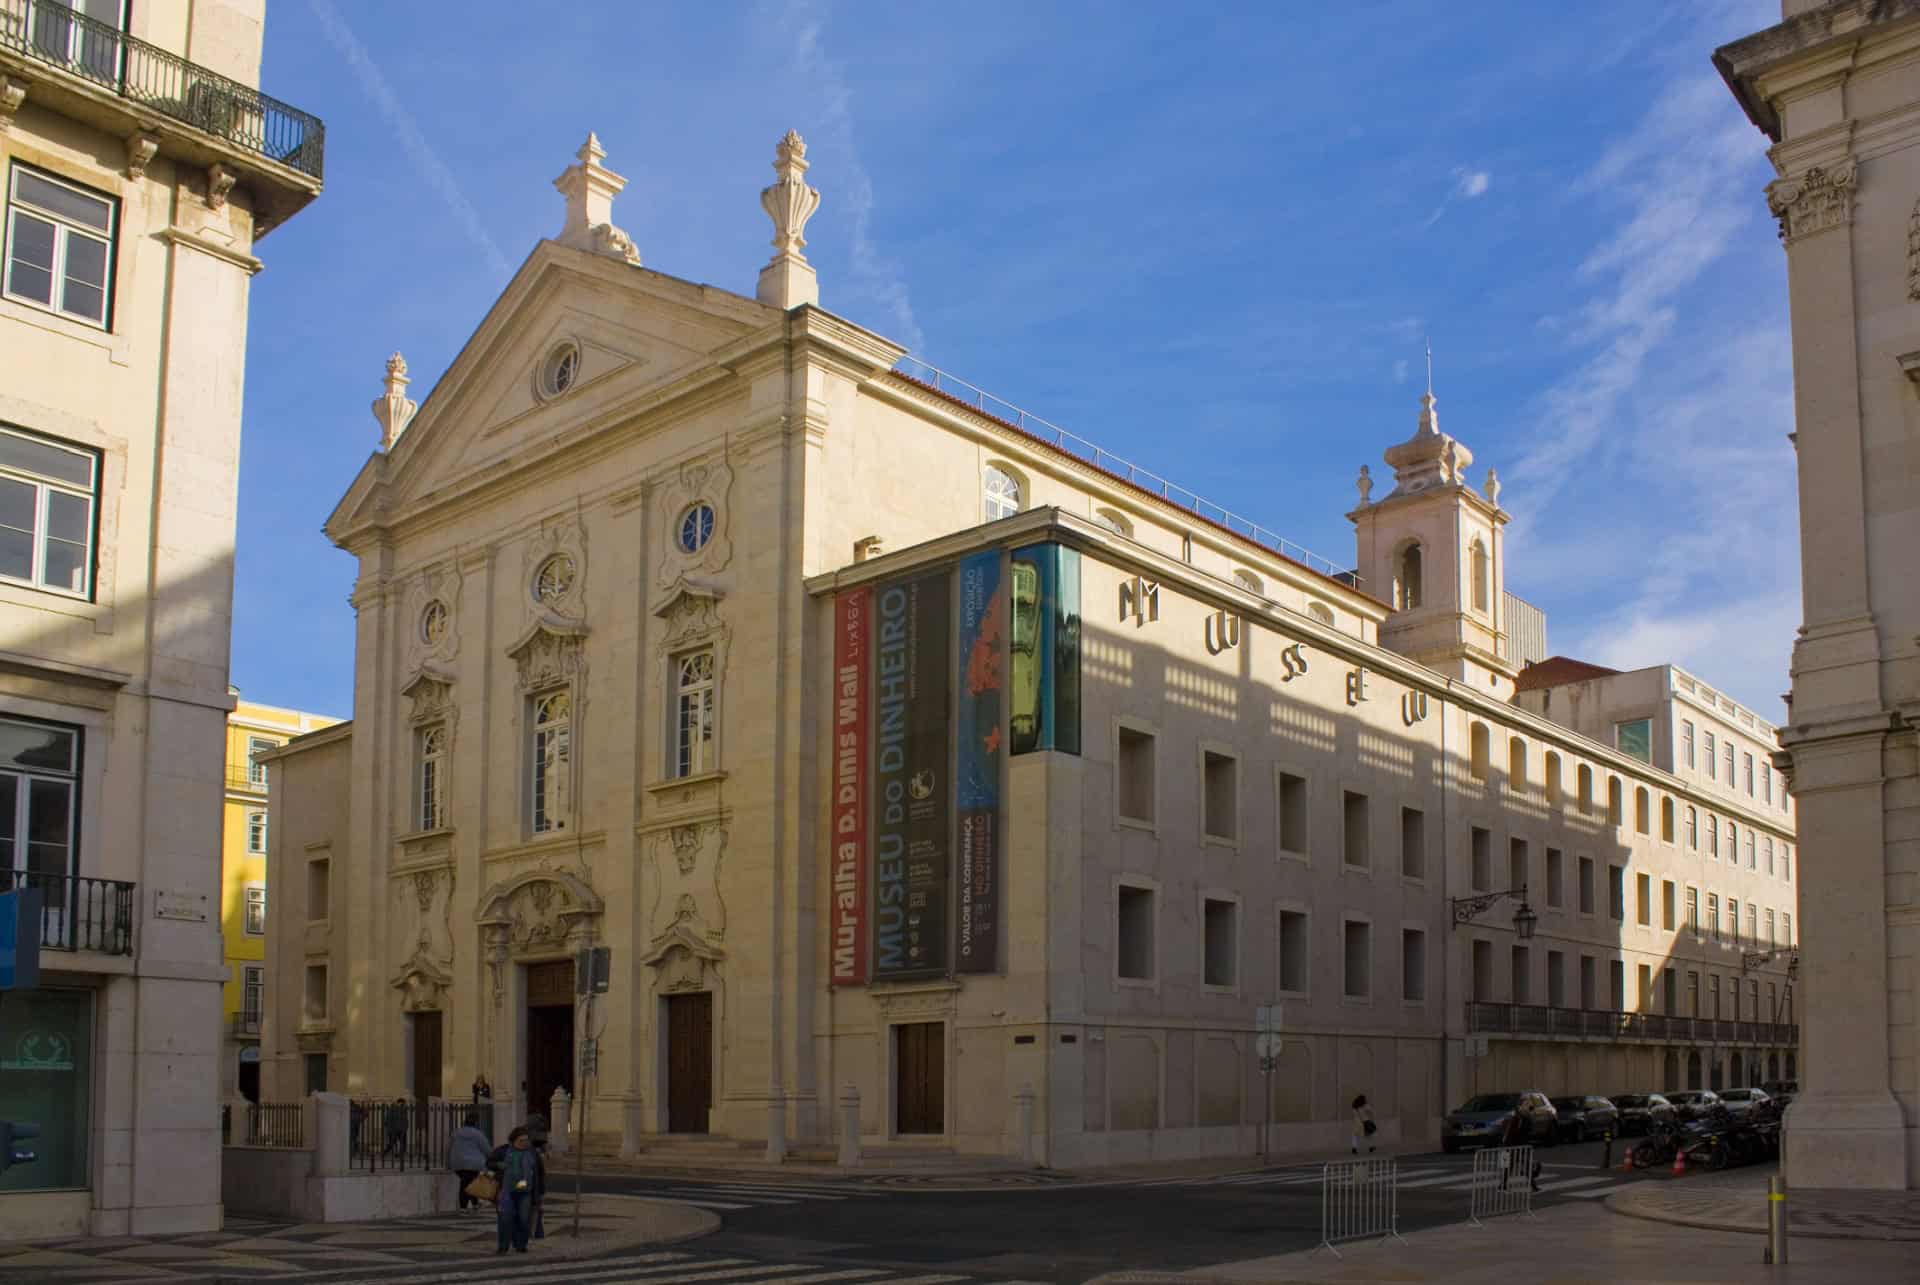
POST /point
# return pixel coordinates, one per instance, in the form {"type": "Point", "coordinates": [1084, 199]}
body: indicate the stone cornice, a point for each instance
{"type": "Point", "coordinates": [63, 671]}
{"type": "Point", "coordinates": [214, 250]}
{"type": "Point", "coordinates": [1854, 30]}
{"type": "Point", "coordinates": [1054, 524]}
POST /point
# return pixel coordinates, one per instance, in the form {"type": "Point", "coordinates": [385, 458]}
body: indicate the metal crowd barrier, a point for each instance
{"type": "Point", "coordinates": [1359, 1199]}
{"type": "Point", "coordinates": [1502, 1182]}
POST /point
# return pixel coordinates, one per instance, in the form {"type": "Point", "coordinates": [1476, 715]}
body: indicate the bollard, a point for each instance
{"type": "Point", "coordinates": [1776, 1221]}
{"type": "Point", "coordinates": [1023, 1113]}
{"type": "Point", "coordinates": [1606, 1154]}
{"type": "Point", "coordinates": [849, 1126]}
{"type": "Point", "coordinates": [559, 1121]}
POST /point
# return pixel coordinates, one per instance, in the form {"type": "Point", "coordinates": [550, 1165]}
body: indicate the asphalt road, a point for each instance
{"type": "Point", "coordinates": [1040, 1231]}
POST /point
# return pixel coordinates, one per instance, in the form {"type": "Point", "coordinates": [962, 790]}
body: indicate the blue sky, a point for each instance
{"type": "Point", "coordinates": [1208, 237]}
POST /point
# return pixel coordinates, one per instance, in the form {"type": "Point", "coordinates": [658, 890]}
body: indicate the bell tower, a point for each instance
{"type": "Point", "coordinates": [1435, 550]}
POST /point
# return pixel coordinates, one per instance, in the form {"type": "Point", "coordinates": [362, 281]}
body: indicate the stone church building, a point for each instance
{"type": "Point", "coordinates": [894, 739]}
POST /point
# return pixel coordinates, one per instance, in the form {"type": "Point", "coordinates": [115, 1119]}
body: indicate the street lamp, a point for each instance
{"type": "Point", "coordinates": [1466, 909]}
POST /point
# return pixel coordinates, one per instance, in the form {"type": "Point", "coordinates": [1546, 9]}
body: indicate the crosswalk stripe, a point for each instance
{"type": "Point", "coordinates": [1443, 1180]}
{"type": "Point", "coordinates": [1565, 1185]}
{"type": "Point", "coordinates": [711, 1204]}
{"type": "Point", "coordinates": [1595, 1192]}
{"type": "Point", "coordinates": [790, 1193]}
{"type": "Point", "coordinates": [734, 1193]}
{"type": "Point", "coordinates": [764, 1271]}
{"type": "Point", "coordinates": [534, 1269]}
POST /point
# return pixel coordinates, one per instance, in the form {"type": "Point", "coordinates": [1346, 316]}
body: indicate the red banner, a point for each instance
{"type": "Point", "coordinates": [853, 614]}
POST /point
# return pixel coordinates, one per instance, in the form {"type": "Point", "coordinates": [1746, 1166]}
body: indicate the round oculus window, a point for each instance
{"type": "Point", "coordinates": [433, 622]}
{"type": "Point", "coordinates": [696, 528]}
{"type": "Point", "coordinates": [554, 579]}
{"type": "Point", "coordinates": [559, 370]}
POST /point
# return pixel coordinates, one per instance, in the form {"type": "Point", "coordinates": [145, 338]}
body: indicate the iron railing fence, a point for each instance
{"type": "Point", "coordinates": [247, 1021]}
{"type": "Point", "coordinates": [1359, 1200]}
{"type": "Point", "coordinates": [1502, 1182]}
{"type": "Point", "coordinates": [78, 912]}
{"type": "Point", "coordinates": [264, 1124]}
{"type": "Point", "coordinates": [48, 31]}
{"type": "Point", "coordinates": [1594, 1023]}
{"type": "Point", "coordinates": [399, 1134]}
{"type": "Point", "coordinates": [1107, 462]}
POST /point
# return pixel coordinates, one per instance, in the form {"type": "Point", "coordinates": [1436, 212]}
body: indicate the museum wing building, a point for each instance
{"type": "Point", "coordinates": [902, 746]}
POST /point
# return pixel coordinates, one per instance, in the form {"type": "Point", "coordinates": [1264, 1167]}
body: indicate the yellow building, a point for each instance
{"type": "Point", "coordinates": [251, 728]}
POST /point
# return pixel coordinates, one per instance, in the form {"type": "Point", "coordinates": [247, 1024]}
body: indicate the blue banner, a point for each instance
{"type": "Point", "coordinates": [982, 653]}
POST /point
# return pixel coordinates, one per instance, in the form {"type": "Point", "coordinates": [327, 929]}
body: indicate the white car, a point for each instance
{"type": "Point", "coordinates": [1740, 1101]}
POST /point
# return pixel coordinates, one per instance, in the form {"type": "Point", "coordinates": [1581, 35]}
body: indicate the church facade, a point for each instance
{"type": "Point", "coordinates": [894, 746]}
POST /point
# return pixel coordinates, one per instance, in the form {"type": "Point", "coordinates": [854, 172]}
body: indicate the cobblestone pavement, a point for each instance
{"type": "Point", "coordinates": [262, 1248]}
{"type": "Point", "coordinates": [1738, 1202]}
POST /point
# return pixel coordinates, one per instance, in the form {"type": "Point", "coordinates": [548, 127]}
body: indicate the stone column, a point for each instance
{"type": "Point", "coordinates": [331, 1115]}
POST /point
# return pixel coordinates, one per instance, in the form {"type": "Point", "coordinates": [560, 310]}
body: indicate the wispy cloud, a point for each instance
{"type": "Point", "coordinates": [1400, 371]}
{"type": "Point", "coordinates": [418, 150]}
{"type": "Point", "coordinates": [1468, 185]}
{"type": "Point", "coordinates": [874, 272]}
{"type": "Point", "coordinates": [1658, 464]}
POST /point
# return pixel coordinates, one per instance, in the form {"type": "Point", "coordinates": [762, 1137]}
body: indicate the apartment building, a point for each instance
{"type": "Point", "coordinates": [141, 167]}
{"type": "Point", "coordinates": [890, 736]}
{"type": "Point", "coordinates": [252, 729]}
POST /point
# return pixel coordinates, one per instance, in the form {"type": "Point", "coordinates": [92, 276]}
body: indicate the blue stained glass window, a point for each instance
{"type": "Point", "coordinates": [696, 528]}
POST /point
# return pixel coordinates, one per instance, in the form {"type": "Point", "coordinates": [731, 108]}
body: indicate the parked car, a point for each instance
{"type": "Point", "coordinates": [1783, 1092]}
{"type": "Point", "coordinates": [1586, 1117]}
{"type": "Point", "coordinates": [1740, 1101]}
{"type": "Point", "coordinates": [1691, 1104]}
{"type": "Point", "coordinates": [1640, 1111]}
{"type": "Point", "coordinates": [1482, 1121]}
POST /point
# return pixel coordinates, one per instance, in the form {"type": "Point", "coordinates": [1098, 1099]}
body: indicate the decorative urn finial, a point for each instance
{"type": "Point", "coordinates": [788, 279]}
{"type": "Point", "coordinates": [394, 409]}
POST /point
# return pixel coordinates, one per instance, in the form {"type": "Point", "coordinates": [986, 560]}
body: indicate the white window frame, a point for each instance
{"type": "Point", "coordinates": [696, 725]}
{"type": "Point", "coordinates": [45, 488]}
{"type": "Point", "coordinates": [555, 734]}
{"type": "Point", "coordinates": [257, 772]}
{"type": "Point", "coordinates": [20, 779]}
{"type": "Point", "coordinates": [256, 832]}
{"type": "Point", "coordinates": [253, 921]}
{"type": "Point", "coordinates": [65, 228]}
{"type": "Point", "coordinates": [1686, 741]}
{"type": "Point", "coordinates": [1003, 492]}
{"type": "Point", "coordinates": [253, 991]}
{"type": "Point", "coordinates": [430, 777]}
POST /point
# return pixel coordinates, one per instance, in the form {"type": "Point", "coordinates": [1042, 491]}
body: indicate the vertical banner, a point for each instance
{"type": "Point", "coordinates": [912, 833]}
{"type": "Point", "coordinates": [1045, 649]}
{"type": "Point", "coordinates": [977, 758]}
{"type": "Point", "coordinates": [852, 681]}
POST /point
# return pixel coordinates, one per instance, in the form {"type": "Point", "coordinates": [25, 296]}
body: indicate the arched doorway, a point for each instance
{"type": "Point", "coordinates": [1793, 1066]}
{"type": "Point", "coordinates": [1738, 1077]}
{"type": "Point", "coordinates": [1773, 1066]}
{"type": "Point", "coordinates": [1670, 1069]}
{"type": "Point", "coordinates": [1716, 1079]}
{"type": "Point", "coordinates": [250, 1073]}
{"type": "Point", "coordinates": [1693, 1069]}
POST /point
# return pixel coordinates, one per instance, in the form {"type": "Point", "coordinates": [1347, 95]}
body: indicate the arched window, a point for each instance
{"type": "Point", "coordinates": [1616, 812]}
{"type": "Point", "coordinates": [550, 762]}
{"type": "Point", "coordinates": [1666, 820]}
{"type": "Point", "coordinates": [1693, 1069]}
{"type": "Point", "coordinates": [1517, 764]}
{"type": "Point", "coordinates": [1693, 828]}
{"type": "Point", "coordinates": [1586, 789]}
{"type": "Point", "coordinates": [1000, 494]}
{"type": "Point", "coordinates": [432, 775]}
{"type": "Point", "coordinates": [1321, 612]}
{"type": "Point", "coordinates": [1553, 777]}
{"type": "Point", "coordinates": [1250, 582]}
{"type": "Point", "coordinates": [1114, 521]}
{"type": "Point", "coordinates": [1482, 582]}
{"type": "Point", "coordinates": [1642, 810]}
{"type": "Point", "coordinates": [1409, 582]}
{"type": "Point", "coordinates": [1480, 748]}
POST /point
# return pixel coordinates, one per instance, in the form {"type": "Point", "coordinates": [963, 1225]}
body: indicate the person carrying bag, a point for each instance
{"type": "Point", "coordinates": [519, 1169]}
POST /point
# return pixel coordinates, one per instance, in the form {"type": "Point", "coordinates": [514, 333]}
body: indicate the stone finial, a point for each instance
{"type": "Point", "coordinates": [1493, 487]}
{"type": "Point", "coordinates": [788, 279]}
{"type": "Point", "coordinates": [394, 409]}
{"type": "Point", "coordinates": [590, 188]}
{"type": "Point", "coordinates": [1449, 460]}
{"type": "Point", "coordinates": [1365, 483]}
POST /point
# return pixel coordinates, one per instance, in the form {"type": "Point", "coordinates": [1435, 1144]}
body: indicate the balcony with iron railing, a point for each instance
{"type": "Point", "coordinates": [246, 1023]}
{"type": "Point", "coordinates": [1528, 1021]}
{"type": "Point", "coordinates": [79, 913]}
{"type": "Point", "coordinates": [94, 71]}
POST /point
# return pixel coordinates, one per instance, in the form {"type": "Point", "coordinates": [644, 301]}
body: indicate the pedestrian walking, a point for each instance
{"type": "Point", "coordinates": [1517, 1133]}
{"type": "Point", "coordinates": [540, 1189]}
{"type": "Point", "coordinates": [519, 1168]}
{"type": "Point", "coordinates": [1363, 1125]}
{"type": "Point", "coordinates": [467, 1156]}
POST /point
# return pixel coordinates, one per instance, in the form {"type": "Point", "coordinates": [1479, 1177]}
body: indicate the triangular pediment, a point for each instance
{"type": "Point", "coordinates": [635, 333]}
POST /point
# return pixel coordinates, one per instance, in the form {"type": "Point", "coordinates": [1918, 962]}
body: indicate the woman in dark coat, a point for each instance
{"type": "Point", "coordinates": [519, 1170]}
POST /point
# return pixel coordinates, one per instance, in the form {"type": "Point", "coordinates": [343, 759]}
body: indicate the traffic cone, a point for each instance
{"type": "Point", "coordinates": [1626, 1161]}
{"type": "Point", "coordinates": [1679, 1162]}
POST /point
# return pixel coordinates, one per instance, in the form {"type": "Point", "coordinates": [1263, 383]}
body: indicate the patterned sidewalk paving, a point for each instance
{"type": "Point", "coordinates": [250, 1248]}
{"type": "Point", "coordinates": [1738, 1202]}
